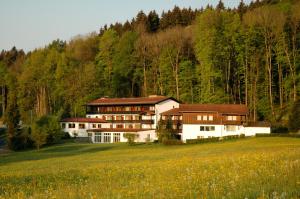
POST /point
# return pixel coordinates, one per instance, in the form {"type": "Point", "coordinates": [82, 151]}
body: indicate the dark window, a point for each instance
{"type": "Point", "coordinates": [71, 125]}
{"type": "Point", "coordinates": [201, 128]}
{"type": "Point", "coordinates": [82, 126]}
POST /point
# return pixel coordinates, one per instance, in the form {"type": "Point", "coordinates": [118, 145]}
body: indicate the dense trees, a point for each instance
{"type": "Point", "coordinates": [215, 55]}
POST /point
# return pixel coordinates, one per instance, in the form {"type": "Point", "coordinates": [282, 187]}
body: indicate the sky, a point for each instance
{"type": "Point", "coordinates": [30, 24]}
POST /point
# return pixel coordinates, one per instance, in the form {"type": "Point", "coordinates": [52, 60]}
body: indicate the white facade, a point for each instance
{"type": "Point", "coordinates": [163, 107]}
{"type": "Point", "coordinates": [252, 131]}
{"type": "Point", "coordinates": [200, 131]}
{"type": "Point", "coordinates": [146, 130]}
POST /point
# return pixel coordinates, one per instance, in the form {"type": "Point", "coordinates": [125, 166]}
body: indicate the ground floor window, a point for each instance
{"type": "Point", "coordinates": [207, 128]}
{"type": "Point", "coordinates": [107, 138]}
{"type": "Point", "coordinates": [230, 128]}
{"type": "Point", "coordinates": [97, 137]}
{"type": "Point", "coordinates": [117, 137]}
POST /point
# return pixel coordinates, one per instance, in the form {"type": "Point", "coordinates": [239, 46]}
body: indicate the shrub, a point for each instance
{"type": "Point", "coordinates": [279, 128]}
{"type": "Point", "coordinates": [278, 135]}
{"type": "Point", "coordinates": [22, 139]}
{"type": "Point", "coordinates": [46, 130]}
{"type": "Point", "coordinates": [172, 142]}
{"type": "Point", "coordinates": [203, 140]}
{"type": "Point", "coordinates": [130, 138]}
{"type": "Point", "coordinates": [294, 118]}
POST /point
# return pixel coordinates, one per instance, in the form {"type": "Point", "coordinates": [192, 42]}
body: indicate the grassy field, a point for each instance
{"type": "Point", "coordinates": [247, 168]}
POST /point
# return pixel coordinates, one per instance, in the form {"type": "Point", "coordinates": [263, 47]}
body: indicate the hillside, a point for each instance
{"type": "Point", "coordinates": [248, 168]}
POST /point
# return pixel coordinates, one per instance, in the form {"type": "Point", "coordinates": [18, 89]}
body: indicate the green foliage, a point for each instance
{"type": "Point", "coordinates": [294, 118]}
{"type": "Point", "coordinates": [249, 55]}
{"type": "Point", "coordinates": [130, 138]}
{"type": "Point", "coordinates": [166, 134]}
{"type": "Point", "coordinates": [46, 130]}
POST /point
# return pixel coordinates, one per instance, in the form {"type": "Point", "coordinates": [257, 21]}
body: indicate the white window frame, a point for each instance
{"type": "Point", "coordinates": [199, 117]}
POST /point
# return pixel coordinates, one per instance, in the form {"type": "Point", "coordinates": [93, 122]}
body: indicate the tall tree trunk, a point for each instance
{"type": "Point", "coordinates": [145, 78]}
{"type": "Point", "coordinates": [280, 85]}
{"type": "Point", "coordinates": [269, 69]}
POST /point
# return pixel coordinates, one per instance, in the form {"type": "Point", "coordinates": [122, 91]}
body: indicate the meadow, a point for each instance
{"type": "Point", "coordinates": [246, 168]}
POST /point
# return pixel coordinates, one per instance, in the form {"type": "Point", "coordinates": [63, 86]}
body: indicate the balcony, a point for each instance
{"type": "Point", "coordinates": [132, 121]}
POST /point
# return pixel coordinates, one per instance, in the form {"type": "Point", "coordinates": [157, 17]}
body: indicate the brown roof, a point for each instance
{"type": "Point", "coordinates": [174, 111]}
{"type": "Point", "coordinates": [116, 130]}
{"type": "Point", "coordinates": [239, 109]}
{"type": "Point", "coordinates": [135, 100]}
{"type": "Point", "coordinates": [220, 108]}
{"type": "Point", "coordinates": [86, 120]}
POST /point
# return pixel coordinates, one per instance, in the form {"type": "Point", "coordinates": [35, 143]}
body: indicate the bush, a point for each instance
{"type": "Point", "coordinates": [172, 142]}
{"type": "Point", "coordinates": [293, 135]}
{"type": "Point", "coordinates": [214, 139]}
{"type": "Point", "coordinates": [294, 118]}
{"type": "Point", "coordinates": [130, 138]}
{"type": "Point", "coordinates": [22, 139]}
{"type": "Point", "coordinates": [279, 128]}
{"type": "Point", "coordinates": [203, 140]}
{"type": "Point", "coordinates": [46, 130]}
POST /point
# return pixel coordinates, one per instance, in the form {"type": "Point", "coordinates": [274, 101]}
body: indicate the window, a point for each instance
{"type": "Point", "coordinates": [99, 126]}
{"type": "Point", "coordinates": [82, 126]}
{"type": "Point", "coordinates": [231, 117]}
{"type": "Point", "coordinates": [230, 128]}
{"type": "Point", "coordinates": [199, 117]}
{"type": "Point", "coordinates": [63, 125]}
{"type": "Point", "coordinates": [106, 137]}
{"type": "Point", "coordinates": [94, 126]}
{"type": "Point", "coordinates": [71, 125]}
{"type": "Point", "coordinates": [204, 117]}
{"type": "Point", "coordinates": [151, 108]}
{"type": "Point", "coordinates": [117, 137]}
{"type": "Point", "coordinates": [210, 118]}
{"type": "Point", "coordinates": [97, 137]}
{"type": "Point", "coordinates": [207, 128]}
{"type": "Point", "coordinates": [120, 126]}
{"type": "Point", "coordinates": [90, 135]}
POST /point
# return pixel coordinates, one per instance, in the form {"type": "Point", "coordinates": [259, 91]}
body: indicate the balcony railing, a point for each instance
{"type": "Point", "coordinates": [131, 121]}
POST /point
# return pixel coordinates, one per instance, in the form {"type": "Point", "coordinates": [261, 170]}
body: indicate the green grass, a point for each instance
{"type": "Point", "coordinates": [246, 168]}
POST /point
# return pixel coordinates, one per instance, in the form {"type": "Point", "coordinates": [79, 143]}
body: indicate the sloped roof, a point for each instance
{"type": "Point", "coordinates": [239, 109]}
{"type": "Point", "coordinates": [85, 120]}
{"type": "Point", "coordinates": [174, 111]}
{"type": "Point", "coordinates": [220, 108]}
{"type": "Point", "coordinates": [130, 101]}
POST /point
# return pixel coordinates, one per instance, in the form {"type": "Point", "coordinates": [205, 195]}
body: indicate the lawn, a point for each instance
{"type": "Point", "coordinates": [246, 168]}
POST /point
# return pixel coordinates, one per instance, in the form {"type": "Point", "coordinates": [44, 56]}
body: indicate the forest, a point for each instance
{"type": "Point", "coordinates": [245, 55]}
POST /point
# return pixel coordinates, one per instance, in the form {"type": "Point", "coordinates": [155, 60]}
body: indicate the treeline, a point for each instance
{"type": "Point", "coordinates": [248, 54]}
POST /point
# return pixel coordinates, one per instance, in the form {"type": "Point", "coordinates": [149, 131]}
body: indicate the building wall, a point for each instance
{"type": "Point", "coordinates": [81, 132]}
{"type": "Point", "coordinates": [251, 131]}
{"type": "Point", "coordinates": [192, 131]}
{"type": "Point", "coordinates": [163, 107]}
